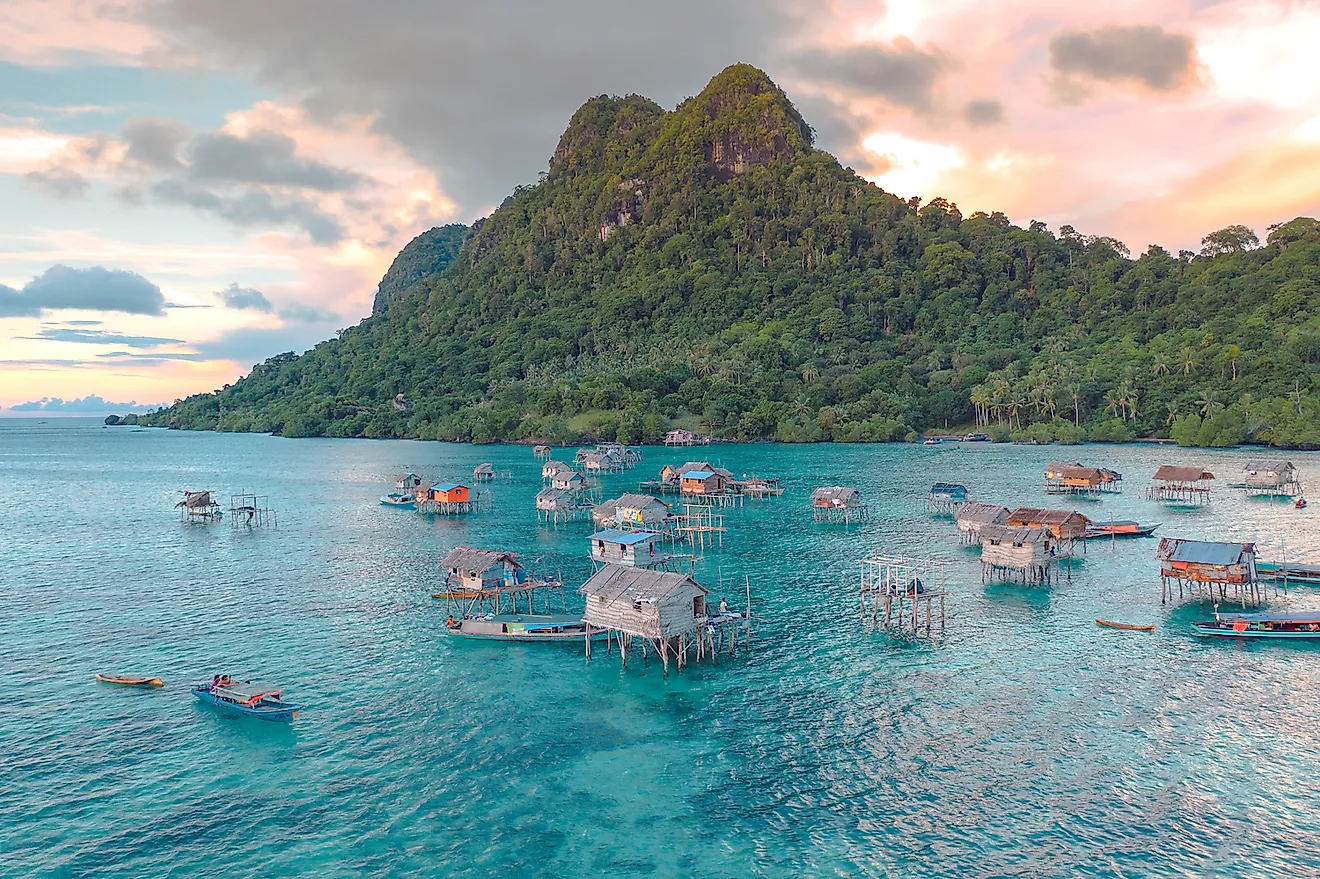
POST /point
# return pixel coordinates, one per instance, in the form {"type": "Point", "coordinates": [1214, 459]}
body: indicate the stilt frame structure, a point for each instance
{"type": "Point", "coordinates": [251, 510]}
{"type": "Point", "coordinates": [899, 586]}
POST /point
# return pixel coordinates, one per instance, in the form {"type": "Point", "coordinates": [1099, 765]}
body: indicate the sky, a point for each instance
{"type": "Point", "coordinates": [191, 187]}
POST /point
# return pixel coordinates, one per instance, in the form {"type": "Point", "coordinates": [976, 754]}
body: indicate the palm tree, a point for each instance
{"type": "Point", "coordinates": [1208, 403]}
{"type": "Point", "coordinates": [1187, 360]}
{"type": "Point", "coordinates": [810, 373]}
{"type": "Point", "coordinates": [1076, 390]}
{"type": "Point", "coordinates": [1173, 412]}
{"type": "Point", "coordinates": [800, 407]}
{"type": "Point", "coordinates": [1161, 365]}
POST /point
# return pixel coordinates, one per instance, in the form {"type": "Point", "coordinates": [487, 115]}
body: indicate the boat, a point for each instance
{"type": "Point", "coordinates": [1301, 503]}
{"type": "Point", "coordinates": [1291, 571]}
{"type": "Point", "coordinates": [1289, 626]}
{"type": "Point", "coordinates": [932, 441]}
{"type": "Point", "coordinates": [398, 500]}
{"type": "Point", "coordinates": [1129, 627]}
{"type": "Point", "coordinates": [246, 698]}
{"type": "Point", "coordinates": [976, 438]}
{"type": "Point", "coordinates": [1119, 529]}
{"type": "Point", "coordinates": [129, 680]}
{"type": "Point", "coordinates": [523, 627]}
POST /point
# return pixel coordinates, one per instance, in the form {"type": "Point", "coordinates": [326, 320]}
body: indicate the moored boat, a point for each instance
{"type": "Point", "coordinates": [1288, 626]}
{"type": "Point", "coordinates": [397, 499]}
{"type": "Point", "coordinates": [1127, 627]}
{"type": "Point", "coordinates": [1096, 530]}
{"type": "Point", "coordinates": [128, 680]}
{"type": "Point", "coordinates": [246, 698]}
{"type": "Point", "coordinates": [523, 627]}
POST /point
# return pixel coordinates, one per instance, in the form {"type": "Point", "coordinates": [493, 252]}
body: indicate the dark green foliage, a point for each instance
{"type": "Point", "coordinates": [708, 268]}
{"type": "Point", "coordinates": [425, 255]}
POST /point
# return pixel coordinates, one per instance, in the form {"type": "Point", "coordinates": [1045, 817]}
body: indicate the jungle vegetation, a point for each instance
{"type": "Point", "coordinates": [706, 267]}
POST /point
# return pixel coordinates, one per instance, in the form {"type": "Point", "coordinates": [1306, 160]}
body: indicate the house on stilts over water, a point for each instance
{"type": "Point", "coordinates": [946, 497]}
{"type": "Point", "coordinates": [660, 611]}
{"type": "Point", "coordinates": [445, 499]}
{"type": "Point", "coordinates": [634, 549]}
{"type": "Point", "coordinates": [1017, 553]}
{"type": "Point", "coordinates": [1209, 571]}
{"type": "Point", "coordinates": [971, 518]}
{"type": "Point", "coordinates": [1072, 478]}
{"type": "Point", "coordinates": [482, 581]}
{"type": "Point", "coordinates": [838, 503]}
{"type": "Point", "coordinates": [1271, 479]}
{"type": "Point", "coordinates": [541, 453]}
{"type": "Point", "coordinates": [199, 507]}
{"type": "Point", "coordinates": [1067, 527]}
{"type": "Point", "coordinates": [634, 512]}
{"type": "Point", "coordinates": [556, 505]}
{"type": "Point", "coordinates": [1180, 485]}
{"type": "Point", "coordinates": [487, 473]}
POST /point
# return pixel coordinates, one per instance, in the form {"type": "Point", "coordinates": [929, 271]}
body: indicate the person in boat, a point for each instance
{"type": "Point", "coordinates": [450, 622]}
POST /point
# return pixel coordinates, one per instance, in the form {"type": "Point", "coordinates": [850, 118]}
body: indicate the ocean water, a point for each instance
{"type": "Point", "coordinates": [1026, 741]}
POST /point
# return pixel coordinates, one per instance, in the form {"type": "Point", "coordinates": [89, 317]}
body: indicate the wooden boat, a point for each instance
{"type": "Point", "coordinates": [1287, 626]}
{"type": "Point", "coordinates": [523, 627]}
{"type": "Point", "coordinates": [398, 500]}
{"type": "Point", "coordinates": [1096, 530]}
{"type": "Point", "coordinates": [129, 680]}
{"type": "Point", "coordinates": [1129, 627]}
{"type": "Point", "coordinates": [1291, 571]}
{"type": "Point", "coordinates": [246, 698]}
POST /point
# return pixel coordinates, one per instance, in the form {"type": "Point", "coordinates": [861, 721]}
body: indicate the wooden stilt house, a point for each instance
{"type": "Point", "coordinates": [971, 518]}
{"type": "Point", "coordinates": [483, 473]}
{"type": "Point", "coordinates": [666, 611]}
{"type": "Point", "coordinates": [1271, 479]}
{"type": "Point", "coordinates": [445, 499]}
{"type": "Point", "coordinates": [634, 549]}
{"type": "Point", "coordinates": [478, 581]}
{"type": "Point", "coordinates": [838, 503]}
{"type": "Point", "coordinates": [1065, 526]}
{"type": "Point", "coordinates": [554, 505]}
{"type": "Point", "coordinates": [1182, 485]}
{"type": "Point", "coordinates": [1073, 478]}
{"type": "Point", "coordinates": [1017, 553]}
{"type": "Point", "coordinates": [1209, 571]}
{"type": "Point", "coordinates": [680, 437]}
{"type": "Point", "coordinates": [946, 497]}
{"type": "Point", "coordinates": [199, 506]}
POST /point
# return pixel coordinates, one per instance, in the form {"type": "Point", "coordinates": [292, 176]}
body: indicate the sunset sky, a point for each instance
{"type": "Point", "coordinates": [190, 187]}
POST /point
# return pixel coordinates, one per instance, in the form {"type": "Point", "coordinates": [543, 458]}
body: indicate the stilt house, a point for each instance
{"type": "Point", "coordinates": [1270, 478]}
{"type": "Point", "coordinates": [1208, 570]}
{"type": "Point", "coordinates": [1181, 484]}
{"type": "Point", "coordinates": [664, 609]}
{"type": "Point", "coordinates": [971, 518]}
{"type": "Point", "coordinates": [1016, 553]}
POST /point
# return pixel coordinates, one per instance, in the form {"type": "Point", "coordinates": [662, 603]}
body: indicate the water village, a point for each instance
{"type": "Point", "coordinates": [643, 600]}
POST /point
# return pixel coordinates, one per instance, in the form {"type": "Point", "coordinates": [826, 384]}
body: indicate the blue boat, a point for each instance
{"type": "Point", "coordinates": [398, 500]}
{"type": "Point", "coordinates": [247, 698]}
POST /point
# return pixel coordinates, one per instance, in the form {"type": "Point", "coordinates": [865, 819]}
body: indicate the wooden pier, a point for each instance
{"type": "Point", "coordinates": [700, 526]}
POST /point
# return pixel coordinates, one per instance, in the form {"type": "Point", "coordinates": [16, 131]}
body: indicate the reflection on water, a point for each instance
{"type": "Point", "coordinates": [1026, 740]}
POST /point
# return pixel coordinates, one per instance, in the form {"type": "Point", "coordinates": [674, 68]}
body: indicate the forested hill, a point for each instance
{"type": "Point", "coordinates": [708, 267]}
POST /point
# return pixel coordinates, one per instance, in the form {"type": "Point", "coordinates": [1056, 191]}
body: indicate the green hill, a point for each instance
{"type": "Point", "coordinates": [707, 266]}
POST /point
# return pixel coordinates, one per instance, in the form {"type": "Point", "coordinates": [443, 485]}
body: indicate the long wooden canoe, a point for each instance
{"type": "Point", "coordinates": [1125, 626]}
{"type": "Point", "coordinates": [129, 680]}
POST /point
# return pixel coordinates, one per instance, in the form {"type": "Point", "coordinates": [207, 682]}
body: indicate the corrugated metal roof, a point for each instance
{"type": "Point", "coordinates": [622, 538]}
{"type": "Point", "coordinates": [1202, 552]}
{"type": "Point", "coordinates": [699, 475]}
{"type": "Point", "coordinates": [1017, 535]}
{"type": "Point", "coordinates": [952, 489]}
{"type": "Point", "coordinates": [984, 513]}
{"type": "Point", "coordinates": [445, 486]}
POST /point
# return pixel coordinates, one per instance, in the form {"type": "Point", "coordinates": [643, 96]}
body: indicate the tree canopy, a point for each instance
{"type": "Point", "coordinates": [708, 268]}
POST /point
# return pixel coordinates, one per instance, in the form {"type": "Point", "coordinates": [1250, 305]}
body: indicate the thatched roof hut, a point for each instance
{"type": "Point", "coordinates": [555, 500]}
{"type": "Point", "coordinates": [1269, 474]}
{"type": "Point", "coordinates": [971, 518]}
{"type": "Point", "coordinates": [836, 497]}
{"type": "Point", "coordinates": [1010, 552]}
{"type": "Point", "coordinates": [1062, 524]}
{"type": "Point", "coordinates": [472, 569]}
{"type": "Point", "coordinates": [631, 509]}
{"type": "Point", "coordinates": [645, 604]}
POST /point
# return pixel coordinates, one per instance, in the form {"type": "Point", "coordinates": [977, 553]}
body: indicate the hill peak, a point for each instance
{"type": "Point", "coordinates": [745, 120]}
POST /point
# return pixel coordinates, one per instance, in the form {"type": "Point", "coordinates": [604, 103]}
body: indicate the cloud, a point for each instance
{"type": "Point", "coordinates": [58, 182]}
{"type": "Point", "coordinates": [478, 92]}
{"type": "Point", "coordinates": [92, 289]}
{"type": "Point", "coordinates": [252, 207]}
{"type": "Point", "coordinates": [100, 337]}
{"type": "Point", "coordinates": [248, 346]}
{"type": "Point", "coordinates": [90, 405]}
{"type": "Point", "coordinates": [240, 298]}
{"type": "Point", "coordinates": [900, 72]}
{"type": "Point", "coordinates": [983, 112]}
{"type": "Point", "coordinates": [154, 142]}
{"type": "Point", "coordinates": [264, 157]}
{"type": "Point", "coordinates": [307, 314]}
{"type": "Point", "coordinates": [1147, 57]}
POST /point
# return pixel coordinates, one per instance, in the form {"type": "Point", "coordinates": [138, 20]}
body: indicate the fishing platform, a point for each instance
{"type": "Point", "coordinates": [902, 586]}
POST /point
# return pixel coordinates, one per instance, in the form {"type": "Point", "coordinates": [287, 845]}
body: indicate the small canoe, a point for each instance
{"type": "Point", "coordinates": [1129, 627]}
{"type": "Point", "coordinates": [1097, 530]}
{"type": "Point", "coordinates": [397, 500]}
{"type": "Point", "coordinates": [525, 627]}
{"type": "Point", "coordinates": [129, 680]}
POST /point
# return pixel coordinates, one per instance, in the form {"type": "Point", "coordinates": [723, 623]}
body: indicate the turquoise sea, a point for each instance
{"type": "Point", "coordinates": [1026, 742]}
